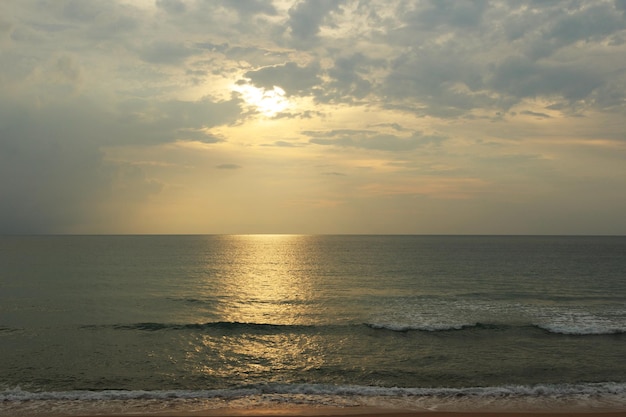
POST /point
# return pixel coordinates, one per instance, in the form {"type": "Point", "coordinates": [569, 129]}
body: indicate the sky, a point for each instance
{"type": "Point", "coordinates": [312, 116]}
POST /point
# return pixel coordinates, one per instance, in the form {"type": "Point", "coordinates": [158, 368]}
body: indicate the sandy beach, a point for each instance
{"type": "Point", "coordinates": [378, 412]}
{"type": "Point", "coordinates": [324, 412]}
{"type": "Point", "coordinates": [373, 413]}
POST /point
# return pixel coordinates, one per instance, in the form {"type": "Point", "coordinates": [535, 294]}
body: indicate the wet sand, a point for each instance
{"type": "Point", "coordinates": [360, 412]}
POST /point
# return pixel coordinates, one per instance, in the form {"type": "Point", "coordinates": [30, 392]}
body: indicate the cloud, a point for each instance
{"type": "Point", "coordinates": [291, 77]}
{"type": "Point", "coordinates": [284, 144]}
{"type": "Point", "coordinates": [306, 17]}
{"type": "Point", "coordinates": [470, 67]}
{"type": "Point", "coordinates": [80, 10]}
{"type": "Point", "coordinates": [373, 140]}
{"type": "Point", "coordinates": [166, 52]}
{"type": "Point", "coordinates": [172, 6]}
{"type": "Point", "coordinates": [68, 69]}
{"type": "Point", "coordinates": [453, 14]}
{"type": "Point", "coordinates": [589, 24]}
{"type": "Point", "coordinates": [251, 7]}
{"type": "Point", "coordinates": [394, 126]}
{"type": "Point", "coordinates": [522, 78]}
{"type": "Point", "coordinates": [198, 135]}
{"type": "Point", "coordinates": [87, 20]}
{"type": "Point", "coordinates": [307, 114]}
{"type": "Point", "coordinates": [52, 171]}
{"type": "Point", "coordinates": [348, 78]}
{"type": "Point", "coordinates": [111, 106]}
{"type": "Point", "coordinates": [441, 78]}
{"type": "Point", "coordinates": [536, 114]}
{"type": "Point", "coordinates": [148, 121]}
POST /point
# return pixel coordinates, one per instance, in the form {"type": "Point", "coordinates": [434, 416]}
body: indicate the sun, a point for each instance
{"type": "Point", "coordinates": [267, 102]}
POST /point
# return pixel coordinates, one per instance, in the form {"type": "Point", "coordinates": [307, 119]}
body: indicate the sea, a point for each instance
{"type": "Point", "coordinates": [180, 324]}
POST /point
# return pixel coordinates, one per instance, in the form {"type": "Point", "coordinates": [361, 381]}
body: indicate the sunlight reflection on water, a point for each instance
{"type": "Point", "coordinates": [268, 281]}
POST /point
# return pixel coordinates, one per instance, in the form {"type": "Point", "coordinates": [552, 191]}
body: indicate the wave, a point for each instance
{"type": "Point", "coordinates": [580, 330]}
{"type": "Point", "coordinates": [5, 329]}
{"type": "Point", "coordinates": [558, 328]}
{"type": "Point", "coordinates": [552, 319]}
{"type": "Point", "coordinates": [517, 296]}
{"type": "Point", "coordinates": [268, 327]}
{"type": "Point", "coordinates": [598, 388]}
{"type": "Point", "coordinates": [583, 322]}
{"type": "Point", "coordinates": [218, 325]}
{"type": "Point", "coordinates": [431, 327]}
{"type": "Point", "coordinates": [607, 395]}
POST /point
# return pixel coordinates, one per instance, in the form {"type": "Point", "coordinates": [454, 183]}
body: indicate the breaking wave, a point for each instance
{"type": "Point", "coordinates": [608, 395]}
{"type": "Point", "coordinates": [563, 327]}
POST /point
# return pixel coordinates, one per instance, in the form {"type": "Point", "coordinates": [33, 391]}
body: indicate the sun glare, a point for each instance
{"type": "Point", "coordinates": [267, 102]}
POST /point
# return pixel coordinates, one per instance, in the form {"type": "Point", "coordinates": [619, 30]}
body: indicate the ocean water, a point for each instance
{"type": "Point", "coordinates": [97, 324]}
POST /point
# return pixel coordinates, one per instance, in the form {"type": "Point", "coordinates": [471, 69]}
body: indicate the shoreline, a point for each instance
{"type": "Point", "coordinates": [370, 412]}
{"type": "Point", "coordinates": [95, 407]}
{"type": "Point", "coordinates": [560, 409]}
{"type": "Point", "coordinates": [367, 412]}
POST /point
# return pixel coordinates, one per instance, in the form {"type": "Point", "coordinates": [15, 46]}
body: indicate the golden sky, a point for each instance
{"type": "Point", "coordinates": [314, 116]}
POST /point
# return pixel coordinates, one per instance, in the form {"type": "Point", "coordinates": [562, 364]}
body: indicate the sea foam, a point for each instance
{"type": "Point", "coordinates": [603, 396]}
